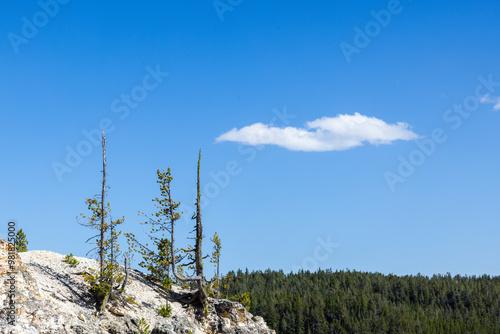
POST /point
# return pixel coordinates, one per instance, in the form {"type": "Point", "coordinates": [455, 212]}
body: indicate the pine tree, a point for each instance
{"type": "Point", "coordinates": [155, 257]}
{"type": "Point", "coordinates": [21, 241]}
{"type": "Point", "coordinates": [102, 282]}
{"type": "Point", "coordinates": [215, 259]}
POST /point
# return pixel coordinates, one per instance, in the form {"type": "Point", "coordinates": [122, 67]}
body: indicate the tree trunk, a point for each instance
{"type": "Point", "coordinates": [110, 294]}
{"type": "Point", "coordinates": [218, 278]}
{"type": "Point", "coordinates": [199, 238]}
{"type": "Point", "coordinates": [200, 295]}
{"type": "Point", "coordinates": [126, 276]}
{"type": "Point", "coordinates": [103, 194]}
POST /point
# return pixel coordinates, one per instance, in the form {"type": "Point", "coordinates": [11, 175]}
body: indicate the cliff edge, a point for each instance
{"type": "Point", "coordinates": [50, 296]}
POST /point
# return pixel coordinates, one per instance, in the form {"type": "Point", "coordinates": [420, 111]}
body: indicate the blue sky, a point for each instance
{"type": "Point", "coordinates": [360, 135]}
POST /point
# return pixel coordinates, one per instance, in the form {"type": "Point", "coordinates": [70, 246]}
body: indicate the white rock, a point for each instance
{"type": "Point", "coordinates": [52, 297]}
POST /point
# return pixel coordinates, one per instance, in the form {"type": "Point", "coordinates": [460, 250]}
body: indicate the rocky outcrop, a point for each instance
{"type": "Point", "coordinates": [52, 297]}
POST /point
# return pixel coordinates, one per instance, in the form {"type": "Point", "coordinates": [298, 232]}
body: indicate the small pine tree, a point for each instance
{"type": "Point", "coordinates": [165, 310]}
{"type": "Point", "coordinates": [156, 255]}
{"type": "Point", "coordinates": [163, 261]}
{"type": "Point", "coordinates": [156, 258]}
{"type": "Point", "coordinates": [70, 259]}
{"type": "Point", "coordinates": [143, 327]}
{"type": "Point", "coordinates": [102, 282]}
{"type": "Point", "coordinates": [21, 241]}
{"type": "Point", "coordinates": [215, 259]}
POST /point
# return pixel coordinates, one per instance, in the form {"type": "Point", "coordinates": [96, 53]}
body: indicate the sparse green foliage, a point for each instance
{"type": "Point", "coordinates": [206, 309]}
{"type": "Point", "coordinates": [220, 289]}
{"type": "Point", "coordinates": [102, 282]}
{"type": "Point", "coordinates": [224, 286]}
{"type": "Point", "coordinates": [157, 256]}
{"type": "Point", "coordinates": [99, 287]}
{"type": "Point", "coordinates": [189, 256]}
{"type": "Point", "coordinates": [243, 299]}
{"type": "Point", "coordinates": [165, 311]}
{"type": "Point", "coordinates": [70, 259]}
{"type": "Point", "coordinates": [131, 300]}
{"type": "Point", "coordinates": [94, 221]}
{"type": "Point", "coordinates": [21, 241]}
{"type": "Point", "coordinates": [156, 259]}
{"type": "Point", "coordinates": [160, 257]}
{"type": "Point", "coordinates": [143, 327]}
{"type": "Point", "coordinates": [180, 272]}
{"type": "Point", "coordinates": [215, 259]}
{"type": "Point", "coordinates": [197, 254]}
{"type": "Point", "coordinates": [166, 284]}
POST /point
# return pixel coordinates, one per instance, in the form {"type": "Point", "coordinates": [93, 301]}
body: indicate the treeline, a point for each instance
{"type": "Point", "coordinates": [356, 302]}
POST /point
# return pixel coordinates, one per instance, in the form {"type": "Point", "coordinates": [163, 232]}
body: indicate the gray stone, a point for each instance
{"type": "Point", "coordinates": [52, 297]}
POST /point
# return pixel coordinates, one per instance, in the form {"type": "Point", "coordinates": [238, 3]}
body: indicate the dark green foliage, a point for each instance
{"type": "Point", "coordinates": [156, 259]}
{"type": "Point", "coordinates": [243, 299]}
{"type": "Point", "coordinates": [102, 283]}
{"type": "Point", "coordinates": [143, 327]}
{"type": "Point", "coordinates": [165, 311]}
{"type": "Point", "coordinates": [21, 241]}
{"type": "Point", "coordinates": [157, 254]}
{"type": "Point", "coordinates": [166, 284]}
{"type": "Point", "coordinates": [70, 259]}
{"type": "Point", "coordinates": [355, 302]}
{"type": "Point", "coordinates": [215, 286]}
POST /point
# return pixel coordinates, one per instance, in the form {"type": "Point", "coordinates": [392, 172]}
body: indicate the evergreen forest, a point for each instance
{"type": "Point", "coordinates": [355, 302]}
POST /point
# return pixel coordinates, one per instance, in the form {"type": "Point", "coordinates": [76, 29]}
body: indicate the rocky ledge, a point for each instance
{"type": "Point", "coordinates": [52, 297]}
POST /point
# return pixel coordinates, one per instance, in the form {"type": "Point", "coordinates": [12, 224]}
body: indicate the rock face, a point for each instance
{"type": "Point", "coordinates": [52, 297]}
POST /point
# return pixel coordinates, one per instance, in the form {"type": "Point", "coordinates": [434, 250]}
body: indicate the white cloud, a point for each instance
{"type": "Point", "coordinates": [325, 134]}
{"type": "Point", "coordinates": [491, 100]}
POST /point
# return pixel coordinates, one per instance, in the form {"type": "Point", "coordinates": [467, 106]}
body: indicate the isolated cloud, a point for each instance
{"type": "Point", "coordinates": [324, 134]}
{"type": "Point", "coordinates": [491, 100]}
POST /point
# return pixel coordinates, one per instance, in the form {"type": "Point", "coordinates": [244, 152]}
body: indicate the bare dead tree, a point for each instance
{"type": "Point", "coordinates": [200, 294]}
{"type": "Point", "coordinates": [126, 276]}
{"type": "Point", "coordinates": [199, 237]}
{"type": "Point", "coordinates": [103, 194]}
